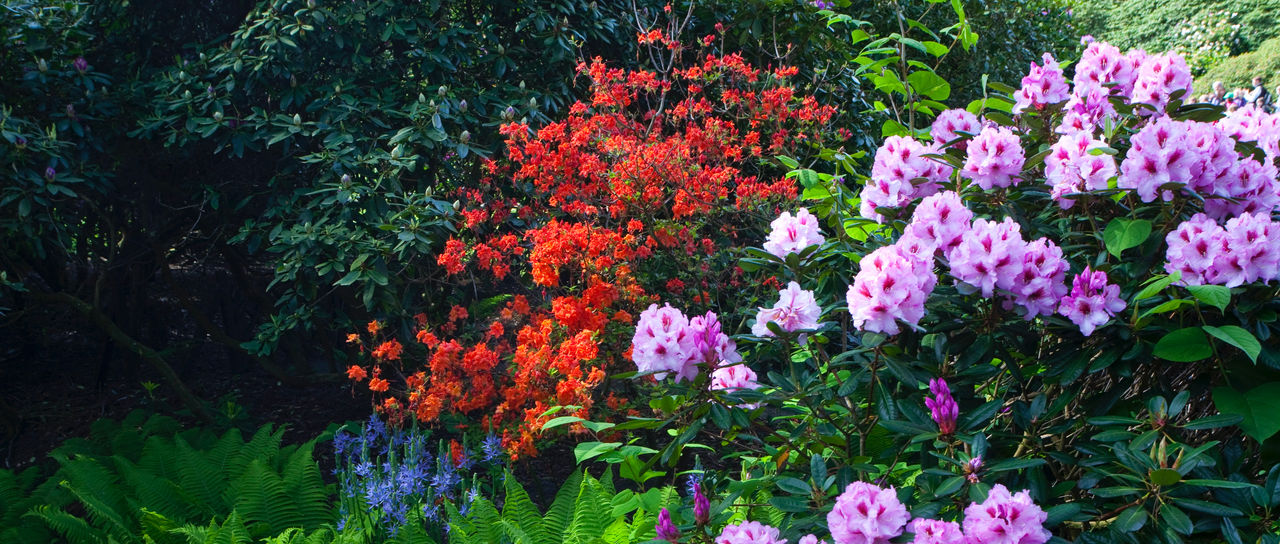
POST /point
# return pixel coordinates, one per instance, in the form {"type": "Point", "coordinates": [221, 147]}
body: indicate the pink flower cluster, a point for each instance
{"type": "Point", "coordinates": [796, 309]}
{"type": "Point", "coordinates": [951, 123]}
{"type": "Point", "coordinates": [1092, 301]}
{"type": "Point", "coordinates": [750, 532]}
{"type": "Point", "coordinates": [734, 377]}
{"type": "Point", "coordinates": [1042, 86]}
{"type": "Point", "coordinates": [899, 165]}
{"type": "Point", "coordinates": [1161, 155]}
{"type": "Point", "coordinates": [892, 284]}
{"type": "Point", "coordinates": [1247, 250]}
{"type": "Point", "coordinates": [869, 514]}
{"type": "Point", "coordinates": [995, 159]}
{"type": "Point", "coordinates": [791, 234]}
{"type": "Point", "coordinates": [938, 223]}
{"type": "Point", "coordinates": [1071, 168]}
{"type": "Point", "coordinates": [667, 341]}
{"type": "Point", "coordinates": [1159, 78]}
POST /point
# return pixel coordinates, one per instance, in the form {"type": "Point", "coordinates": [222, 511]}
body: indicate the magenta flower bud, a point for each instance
{"type": "Point", "coordinates": [666, 530]}
{"type": "Point", "coordinates": [20, 142]}
{"type": "Point", "coordinates": [50, 173]}
{"type": "Point", "coordinates": [81, 65]}
{"type": "Point", "coordinates": [701, 507]}
{"type": "Point", "coordinates": [71, 111]}
{"type": "Point", "coordinates": [972, 468]}
{"type": "Point", "coordinates": [942, 407]}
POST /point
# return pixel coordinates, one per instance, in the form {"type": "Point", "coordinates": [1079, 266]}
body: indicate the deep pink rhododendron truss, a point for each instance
{"type": "Point", "coordinates": [892, 285]}
{"type": "Point", "coordinates": [867, 514]}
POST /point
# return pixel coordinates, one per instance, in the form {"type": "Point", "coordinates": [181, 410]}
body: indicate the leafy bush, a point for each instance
{"type": "Point", "coordinates": [1239, 71]}
{"type": "Point", "coordinates": [1124, 401]}
{"type": "Point", "coordinates": [142, 479]}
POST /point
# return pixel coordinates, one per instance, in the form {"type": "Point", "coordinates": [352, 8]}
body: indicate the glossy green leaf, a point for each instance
{"type": "Point", "coordinates": [1183, 346]}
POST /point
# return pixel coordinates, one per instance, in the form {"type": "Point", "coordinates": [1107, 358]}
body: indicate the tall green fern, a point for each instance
{"type": "Point", "coordinates": [583, 512]}
{"type": "Point", "coordinates": [164, 488]}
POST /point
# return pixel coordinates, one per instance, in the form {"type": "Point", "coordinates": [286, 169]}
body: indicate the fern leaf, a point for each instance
{"type": "Point", "coordinates": [202, 481]}
{"type": "Point", "coordinates": [561, 511]}
{"type": "Point", "coordinates": [303, 483]}
{"type": "Point", "coordinates": [260, 496]}
{"type": "Point", "coordinates": [75, 530]}
{"type": "Point", "coordinates": [590, 513]}
{"type": "Point", "coordinates": [520, 510]}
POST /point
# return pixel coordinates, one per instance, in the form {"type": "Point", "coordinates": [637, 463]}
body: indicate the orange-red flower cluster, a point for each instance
{"type": "Point", "coordinates": [585, 222]}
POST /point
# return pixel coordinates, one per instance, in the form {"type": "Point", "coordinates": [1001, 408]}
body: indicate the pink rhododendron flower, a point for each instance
{"type": "Point", "coordinates": [1249, 186]}
{"type": "Point", "coordinates": [891, 285]}
{"type": "Point", "coordinates": [1159, 78]}
{"type": "Point", "coordinates": [1040, 283]}
{"type": "Point", "coordinates": [1091, 304]}
{"type": "Point", "coordinates": [932, 531]}
{"type": "Point", "coordinates": [988, 256]}
{"type": "Point", "coordinates": [1243, 124]}
{"type": "Point", "coordinates": [1071, 168]}
{"type": "Point", "coordinates": [750, 532]}
{"type": "Point", "coordinates": [938, 222]}
{"type": "Point", "coordinates": [1193, 248]}
{"type": "Point", "coordinates": [711, 346]}
{"type": "Point", "coordinates": [900, 164]}
{"type": "Point", "coordinates": [1005, 519]}
{"type": "Point", "coordinates": [1102, 63]}
{"type": "Point", "coordinates": [1042, 86]}
{"type": "Point", "coordinates": [1215, 156]}
{"type": "Point", "coordinates": [1252, 253]}
{"type": "Point", "coordinates": [1161, 154]}
{"type": "Point", "coordinates": [949, 125]}
{"type": "Point", "coordinates": [995, 158]}
{"type": "Point", "coordinates": [811, 539]}
{"type": "Point", "coordinates": [796, 309]}
{"type": "Point", "coordinates": [1086, 111]}
{"type": "Point", "coordinates": [790, 234]}
{"type": "Point", "coordinates": [866, 514]}
{"type": "Point", "coordinates": [732, 378]}
{"type": "Point", "coordinates": [664, 343]}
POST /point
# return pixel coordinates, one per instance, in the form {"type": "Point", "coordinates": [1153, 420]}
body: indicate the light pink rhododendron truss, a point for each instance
{"type": "Point", "coordinates": [1005, 518]}
{"type": "Point", "coordinates": [938, 223]}
{"type": "Point", "coordinates": [1159, 78]}
{"type": "Point", "coordinates": [932, 531]}
{"type": "Point", "coordinates": [1247, 250]}
{"type": "Point", "coordinates": [950, 123]}
{"type": "Point", "coordinates": [1193, 248]}
{"type": "Point", "coordinates": [1042, 86]}
{"type": "Point", "coordinates": [1161, 154]}
{"type": "Point", "coordinates": [988, 256]}
{"type": "Point", "coordinates": [790, 234]}
{"type": "Point", "coordinates": [750, 532]}
{"type": "Point", "coordinates": [995, 159]}
{"type": "Point", "coordinates": [1041, 282]}
{"type": "Point", "coordinates": [891, 285]}
{"type": "Point", "coordinates": [731, 378]}
{"type": "Point", "coordinates": [1092, 301]}
{"type": "Point", "coordinates": [811, 539]}
{"type": "Point", "coordinates": [867, 514]}
{"type": "Point", "coordinates": [1103, 63]}
{"type": "Point", "coordinates": [1247, 187]}
{"type": "Point", "coordinates": [667, 341]}
{"type": "Point", "coordinates": [900, 174]}
{"type": "Point", "coordinates": [1071, 168]}
{"type": "Point", "coordinates": [796, 309]}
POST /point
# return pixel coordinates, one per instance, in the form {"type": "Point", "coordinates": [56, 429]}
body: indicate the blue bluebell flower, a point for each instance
{"type": "Point", "coordinates": [491, 447]}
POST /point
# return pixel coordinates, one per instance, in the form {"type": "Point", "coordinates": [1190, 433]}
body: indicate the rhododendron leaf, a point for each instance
{"type": "Point", "coordinates": [949, 486]}
{"type": "Point", "coordinates": [1257, 408]}
{"type": "Point", "coordinates": [979, 416]}
{"type": "Point", "coordinates": [795, 486]}
{"type": "Point", "coordinates": [1131, 519]}
{"type": "Point", "coordinates": [590, 450]}
{"type": "Point", "coordinates": [1211, 508]}
{"type": "Point", "coordinates": [1122, 234]}
{"type": "Point", "coordinates": [1157, 284]}
{"type": "Point", "coordinates": [929, 84]}
{"type": "Point", "coordinates": [1015, 464]}
{"type": "Point", "coordinates": [1167, 307]}
{"type": "Point", "coordinates": [1183, 346]}
{"type": "Point", "coordinates": [1214, 295]}
{"type": "Point", "coordinates": [1164, 476]}
{"type": "Point", "coordinates": [1059, 513]}
{"type": "Point", "coordinates": [562, 420]}
{"type": "Point", "coordinates": [1238, 337]}
{"type": "Point", "coordinates": [1213, 422]}
{"type": "Point", "coordinates": [1176, 519]}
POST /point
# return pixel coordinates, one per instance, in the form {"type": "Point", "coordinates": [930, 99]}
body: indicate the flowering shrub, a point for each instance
{"type": "Point", "coordinates": [636, 196]}
{"type": "Point", "coordinates": [1070, 303]}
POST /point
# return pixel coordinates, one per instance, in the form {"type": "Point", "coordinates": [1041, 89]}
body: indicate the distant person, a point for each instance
{"type": "Point", "coordinates": [1259, 97]}
{"type": "Point", "coordinates": [1219, 95]}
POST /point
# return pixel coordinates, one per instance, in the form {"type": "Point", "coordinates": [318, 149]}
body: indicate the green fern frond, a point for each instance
{"type": "Point", "coordinates": [75, 530]}
{"type": "Point", "coordinates": [591, 513]}
{"type": "Point", "coordinates": [561, 511]}
{"type": "Point", "coordinates": [518, 509]}
{"type": "Point", "coordinates": [201, 480]}
{"type": "Point", "coordinates": [259, 494]}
